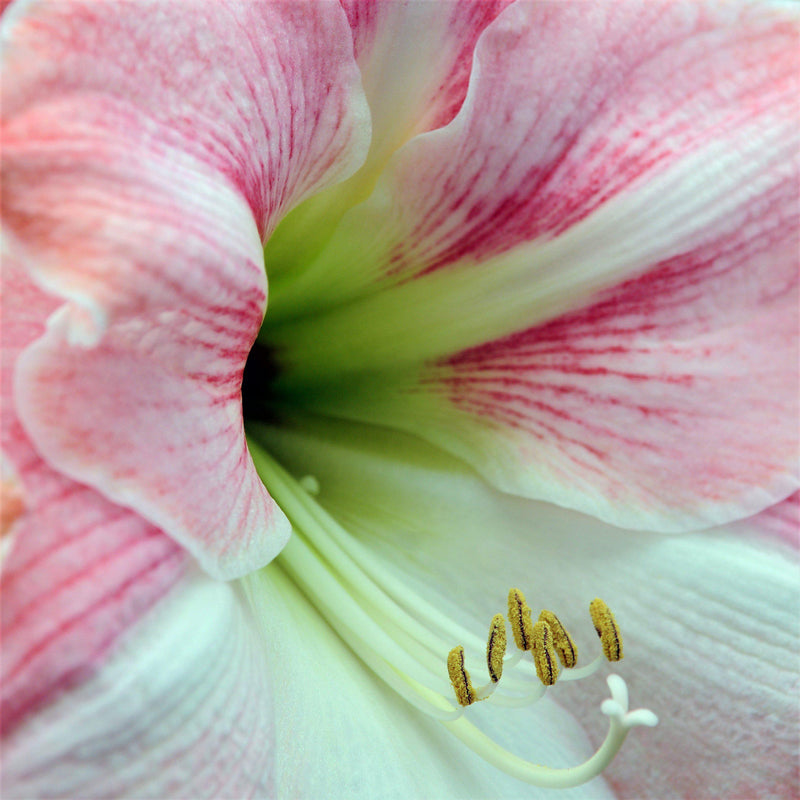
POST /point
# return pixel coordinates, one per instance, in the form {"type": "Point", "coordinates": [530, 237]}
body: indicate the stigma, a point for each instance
{"type": "Point", "coordinates": [403, 638]}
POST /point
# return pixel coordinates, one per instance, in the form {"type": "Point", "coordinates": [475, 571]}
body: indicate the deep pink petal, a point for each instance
{"type": "Point", "coordinates": [147, 149]}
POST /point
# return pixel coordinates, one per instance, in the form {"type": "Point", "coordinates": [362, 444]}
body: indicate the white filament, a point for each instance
{"type": "Point", "coordinates": [401, 637]}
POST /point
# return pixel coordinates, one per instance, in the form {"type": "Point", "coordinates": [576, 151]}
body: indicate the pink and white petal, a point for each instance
{"type": "Point", "coordinates": [181, 707]}
{"type": "Point", "coordinates": [709, 621]}
{"type": "Point", "coordinates": [415, 61]}
{"type": "Point", "coordinates": [266, 94]}
{"type": "Point", "coordinates": [599, 174]}
{"type": "Point", "coordinates": [134, 388]}
{"type": "Point", "coordinates": [617, 412]}
{"type": "Point", "coordinates": [77, 570]}
{"type": "Point", "coordinates": [666, 402]}
{"type": "Point", "coordinates": [138, 189]}
{"type": "Point", "coordinates": [81, 571]}
{"type": "Point", "coordinates": [781, 521]}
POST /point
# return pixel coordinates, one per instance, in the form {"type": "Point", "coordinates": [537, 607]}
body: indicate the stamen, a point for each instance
{"type": "Point", "coordinates": [607, 630]}
{"type": "Point", "coordinates": [496, 647]}
{"type": "Point", "coordinates": [562, 641]}
{"type": "Point", "coordinates": [519, 617]}
{"type": "Point", "coordinates": [394, 633]}
{"type": "Point", "coordinates": [544, 654]}
{"type": "Point", "coordinates": [459, 677]}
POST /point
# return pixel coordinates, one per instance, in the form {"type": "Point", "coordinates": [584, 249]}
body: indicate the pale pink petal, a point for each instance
{"type": "Point", "coordinates": [596, 141]}
{"type": "Point", "coordinates": [666, 402]}
{"type": "Point", "coordinates": [182, 707]}
{"type": "Point", "coordinates": [266, 94]}
{"type": "Point", "coordinates": [146, 406]}
{"type": "Point", "coordinates": [147, 149]}
{"type": "Point", "coordinates": [781, 521]}
{"type": "Point", "coordinates": [415, 60]}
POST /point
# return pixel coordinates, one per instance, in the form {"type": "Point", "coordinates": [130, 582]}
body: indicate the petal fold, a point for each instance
{"type": "Point", "coordinates": [415, 61]}
{"type": "Point", "coordinates": [147, 151]}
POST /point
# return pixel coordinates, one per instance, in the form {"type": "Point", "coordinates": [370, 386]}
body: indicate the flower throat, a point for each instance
{"type": "Point", "coordinates": [408, 643]}
{"type": "Point", "coordinates": [260, 372]}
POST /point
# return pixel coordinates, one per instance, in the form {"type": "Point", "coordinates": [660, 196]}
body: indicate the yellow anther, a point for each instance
{"type": "Point", "coordinates": [459, 677]}
{"type": "Point", "coordinates": [607, 630]}
{"type": "Point", "coordinates": [496, 647]}
{"type": "Point", "coordinates": [544, 654]}
{"type": "Point", "coordinates": [519, 616]}
{"type": "Point", "coordinates": [562, 641]}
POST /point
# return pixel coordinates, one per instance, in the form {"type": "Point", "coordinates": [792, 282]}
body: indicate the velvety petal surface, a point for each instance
{"type": "Point", "coordinates": [181, 708]}
{"type": "Point", "coordinates": [148, 148]}
{"type": "Point", "coordinates": [598, 305]}
{"type": "Point", "coordinates": [709, 621]}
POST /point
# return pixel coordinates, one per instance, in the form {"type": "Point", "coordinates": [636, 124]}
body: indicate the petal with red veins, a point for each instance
{"type": "Point", "coordinates": [594, 144]}
{"type": "Point", "coordinates": [182, 707]}
{"type": "Point", "coordinates": [137, 187]}
{"type": "Point", "coordinates": [415, 60]}
{"type": "Point", "coordinates": [266, 94]}
{"type": "Point", "coordinates": [667, 401]}
{"type": "Point", "coordinates": [79, 570]}
{"type": "Point", "coordinates": [140, 397]}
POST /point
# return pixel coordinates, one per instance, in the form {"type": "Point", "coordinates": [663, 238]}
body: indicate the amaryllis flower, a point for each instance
{"type": "Point", "coordinates": [532, 277]}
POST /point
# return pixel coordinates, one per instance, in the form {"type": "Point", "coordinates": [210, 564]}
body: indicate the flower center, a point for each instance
{"type": "Point", "coordinates": [405, 640]}
{"type": "Point", "coordinates": [259, 374]}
